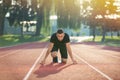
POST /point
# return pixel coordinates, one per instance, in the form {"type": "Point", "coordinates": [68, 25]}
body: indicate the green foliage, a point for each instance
{"type": "Point", "coordinates": [68, 13]}
{"type": "Point", "coordinates": [8, 40]}
{"type": "Point", "coordinates": [115, 41]}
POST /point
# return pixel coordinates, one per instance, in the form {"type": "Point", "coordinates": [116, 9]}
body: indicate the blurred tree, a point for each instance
{"type": "Point", "coordinates": [99, 8]}
{"type": "Point", "coordinates": [47, 13]}
{"type": "Point", "coordinates": [61, 13]}
{"type": "Point", "coordinates": [37, 6]}
{"type": "Point", "coordinates": [111, 10]}
{"type": "Point", "coordinates": [68, 13]}
{"type": "Point", "coordinates": [4, 6]}
{"type": "Point", "coordinates": [42, 8]}
{"type": "Point", "coordinates": [19, 12]}
{"type": "Point", "coordinates": [101, 13]}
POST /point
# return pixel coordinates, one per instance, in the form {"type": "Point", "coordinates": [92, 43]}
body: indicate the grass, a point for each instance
{"type": "Point", "coordinates": [115, 41]}
{"type": "Point", "coordinates": [8, 40]}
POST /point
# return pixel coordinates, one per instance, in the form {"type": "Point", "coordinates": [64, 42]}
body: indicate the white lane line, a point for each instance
{"type": "Point", "coordinates": [97, 70]}
{"type": "Point", "coordinates": [13, 52]}
{"type": "Point", "coordinates": [111, 55]}
{"type": "Point", "coordinates": [8, 54]}
{"type": "Point", "coordinates": [19, 44]}
{"type": "Point", "coordinates": [35, 63]}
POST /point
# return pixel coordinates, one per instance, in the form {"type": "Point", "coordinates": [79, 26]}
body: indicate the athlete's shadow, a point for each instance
{"type": "Point", "coordinates": [50, 69]}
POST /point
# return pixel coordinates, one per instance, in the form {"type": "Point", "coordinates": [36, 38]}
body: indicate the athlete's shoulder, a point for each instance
{"type": "Point", "coordinates": [66, 34]}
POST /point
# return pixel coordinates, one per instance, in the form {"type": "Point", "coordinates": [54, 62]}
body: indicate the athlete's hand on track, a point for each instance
{"type": "Point", "coordinates": [74, 61]}
{"type": "Point", "coordinates": [42, 62]}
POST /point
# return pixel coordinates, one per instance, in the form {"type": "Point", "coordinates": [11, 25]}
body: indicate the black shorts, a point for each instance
{"type": "Point", "coordinates": [63, 51]}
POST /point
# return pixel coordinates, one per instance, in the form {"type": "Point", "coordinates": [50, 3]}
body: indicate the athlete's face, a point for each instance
{"type": "Point", "coordinates": [60, 36]}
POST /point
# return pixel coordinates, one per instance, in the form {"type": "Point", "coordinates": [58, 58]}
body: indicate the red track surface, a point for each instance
{"type": "Point", "coordinates": [95, 62]}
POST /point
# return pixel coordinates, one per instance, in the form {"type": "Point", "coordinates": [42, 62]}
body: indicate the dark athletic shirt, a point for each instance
{"type": "Point", "coordinates": [58, 43]}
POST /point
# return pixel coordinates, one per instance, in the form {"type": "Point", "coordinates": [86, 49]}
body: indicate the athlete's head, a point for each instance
{"type": "Point", "coordinates": [60, 34]}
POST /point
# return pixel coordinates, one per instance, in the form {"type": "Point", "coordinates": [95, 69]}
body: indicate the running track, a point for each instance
{"type": "Point", "coordinates": [95, 62]}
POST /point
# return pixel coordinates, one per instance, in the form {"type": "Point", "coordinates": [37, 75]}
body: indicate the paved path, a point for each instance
{"type": "Point", "coordinates": [80, 39]}
{"type": "Point", "coordinates": [95, 62]}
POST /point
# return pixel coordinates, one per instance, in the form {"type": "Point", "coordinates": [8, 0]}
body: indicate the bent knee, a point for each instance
{"type": "Point", "coordinates": [54, 54]}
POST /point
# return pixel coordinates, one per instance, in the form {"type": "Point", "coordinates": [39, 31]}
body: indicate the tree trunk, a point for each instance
{"type": "Point", "coordinates": [4, 6]}
{"type": "Point", "coordinates": [22, 31]}
{"type": "Point", "coordinates": [2, 17]}
{"type": "Point", "coordinates": [38, 27]}
{"type": "Point", "coordinates": [40, 14]}
{"type": "Point", "coordinates": [1, 26]}
{"type": "Point", "coordinates": [118, 33]}
{"type": "Point", "coordinates": [111, 34]}
{"type": "Point", "coordinates": [104, 33]}
{"type": "Point", "coordinates": [94, 35]}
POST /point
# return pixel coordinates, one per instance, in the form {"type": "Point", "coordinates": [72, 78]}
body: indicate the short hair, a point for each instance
{"type": "Point", "coordinates": [60, 31]}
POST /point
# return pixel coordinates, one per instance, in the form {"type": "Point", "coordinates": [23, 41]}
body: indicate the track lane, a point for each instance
{"type": "Point", "coordinates": [79, 71]}
{"type": "Point", "coordinates": [15, 66]}
{"type": "Point", "coordinates": [106, 63]}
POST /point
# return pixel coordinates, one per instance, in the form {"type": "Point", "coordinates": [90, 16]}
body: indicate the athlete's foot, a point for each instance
{"type": "Point", "coordinates": [59, 61]}
{"type": "Point", "coordinates": [55, 60]}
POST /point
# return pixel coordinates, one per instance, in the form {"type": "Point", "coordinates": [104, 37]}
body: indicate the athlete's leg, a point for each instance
{"type": "Point", "coordinates": [54, 54]}
{"type": "Point", "coordinates": [64, 55]}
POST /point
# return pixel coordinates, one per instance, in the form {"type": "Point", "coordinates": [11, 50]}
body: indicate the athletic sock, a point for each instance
{"type": "Point", "coordinates": [55, 59]}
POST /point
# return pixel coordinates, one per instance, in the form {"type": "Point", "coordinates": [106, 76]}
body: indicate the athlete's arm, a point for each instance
{"type": "Point", "coordinates": [47, 53]}
{"type": "Point", "coordinates": [70, 52]}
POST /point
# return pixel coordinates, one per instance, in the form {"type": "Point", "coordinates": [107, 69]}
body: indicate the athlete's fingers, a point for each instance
{"type": "Point", "coordinates": [74, 62]}
{"type": "Point", "coordinates": [42, 62]}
